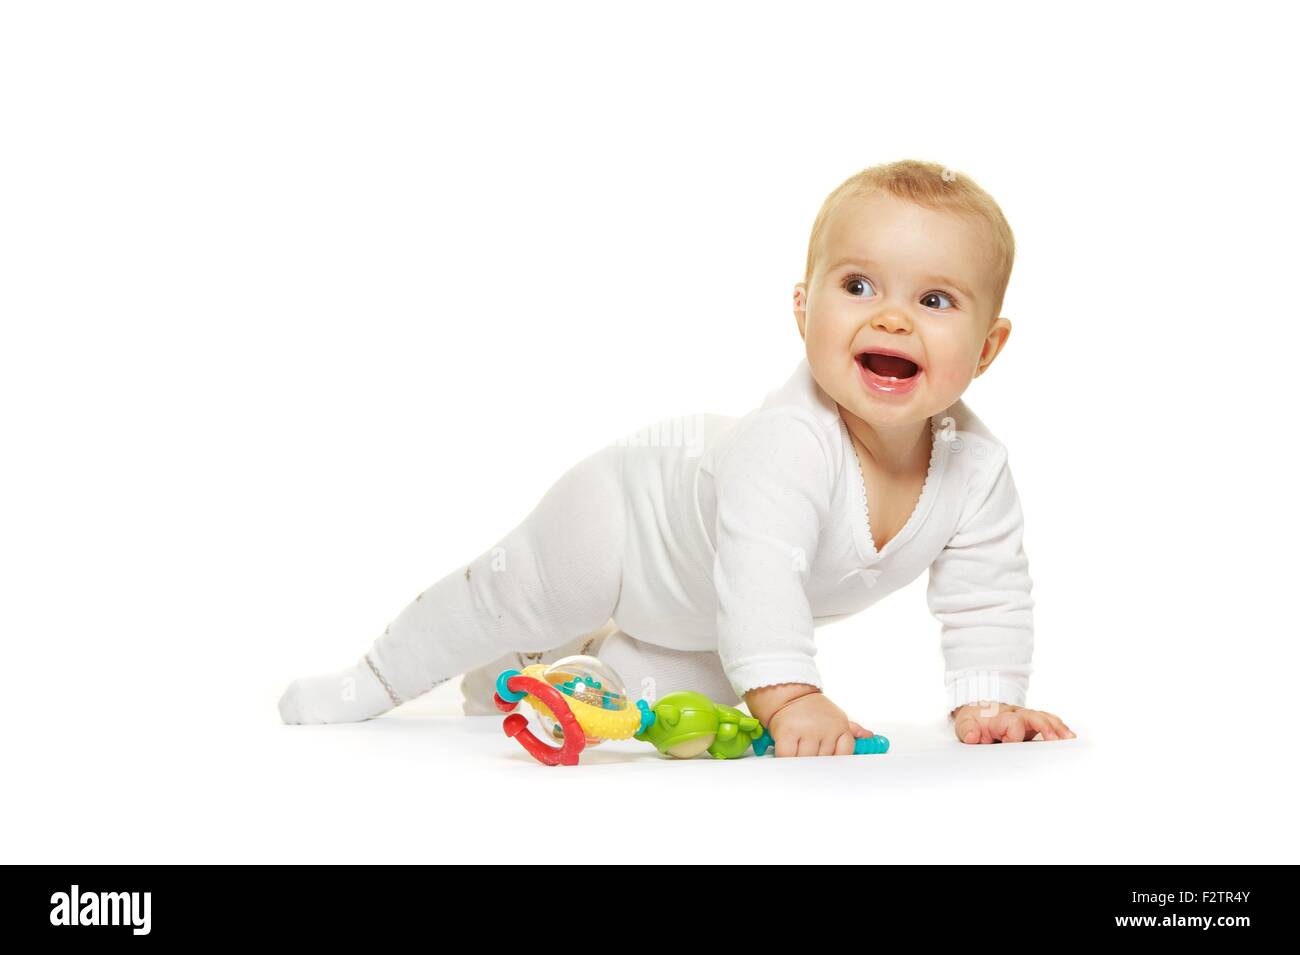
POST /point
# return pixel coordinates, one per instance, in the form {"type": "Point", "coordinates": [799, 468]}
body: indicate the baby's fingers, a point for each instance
{"type": "Point", "coordinates": [830, 745]}
{"type": "Point", "coordinates": [844, 745]}
{"type": "Point", "coordinates": [809, 746]}
{"type": "Point", "coordinates": [1053, 726]}
{"type": "Point", "coordinates": [1038, 722]}
{"type": "Point", "coordinates": [787, 745]}
{"type": "Point", "coordinates": [1062, 731]}
{"type": "Point", "coordinates": [1008, 727]}
{"type": "Point", "coordinates": [968, 728]}
{"type": "Point", "coordinates": [857, 730]}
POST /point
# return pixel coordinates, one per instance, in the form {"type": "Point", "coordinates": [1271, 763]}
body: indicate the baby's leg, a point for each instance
{"type": "Point", "coordinates": [650, 671]}
{"type": "Point", "coordinates": [556, 576]}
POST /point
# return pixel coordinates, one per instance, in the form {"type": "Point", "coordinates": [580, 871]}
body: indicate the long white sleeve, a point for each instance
{"type": "Point", "coordinates": [773, 493]}
{"type": "Point", "coordinates": [980, 591]}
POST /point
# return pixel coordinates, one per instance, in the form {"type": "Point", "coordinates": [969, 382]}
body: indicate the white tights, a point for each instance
{"type": "Point", "coordinates": [551, 584]}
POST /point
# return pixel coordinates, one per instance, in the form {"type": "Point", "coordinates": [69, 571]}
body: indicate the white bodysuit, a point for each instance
{"type": "Point", "coordinates": [707, 548]}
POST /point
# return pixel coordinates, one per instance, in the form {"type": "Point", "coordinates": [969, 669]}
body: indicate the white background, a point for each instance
{"type": "Point", "coordinates": [305, 304]}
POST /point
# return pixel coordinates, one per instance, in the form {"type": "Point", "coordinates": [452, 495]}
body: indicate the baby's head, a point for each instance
{"type": "Point", "coordinates": [911, 258]}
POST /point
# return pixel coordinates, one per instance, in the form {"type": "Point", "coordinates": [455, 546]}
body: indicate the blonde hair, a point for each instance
{"type": "Point", "coordinates": [935, 187]}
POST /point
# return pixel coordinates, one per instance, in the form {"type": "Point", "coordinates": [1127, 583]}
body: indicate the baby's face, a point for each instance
{"type": "Point", "coordinates": [896, 276]}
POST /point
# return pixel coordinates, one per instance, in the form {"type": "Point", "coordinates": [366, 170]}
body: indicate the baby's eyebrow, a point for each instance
{"type": "Point", "coordinates": [852, 260]}
{"type": "Point", "coordinates": [870, 263]}
{"type": "Point", "coordinates": [940, 280]}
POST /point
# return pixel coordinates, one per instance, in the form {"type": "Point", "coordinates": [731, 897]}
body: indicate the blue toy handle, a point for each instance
{"type": "Point", "coordinates": [865, 745]}
{"type": "Point", "coordinates": [862, 746]}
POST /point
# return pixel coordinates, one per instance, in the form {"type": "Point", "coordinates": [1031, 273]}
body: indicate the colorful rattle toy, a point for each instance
{"type": "Point", "coordinates": [580, 701]}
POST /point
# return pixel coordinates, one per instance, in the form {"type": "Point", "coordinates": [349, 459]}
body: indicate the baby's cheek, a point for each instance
{"type": "Point", "coordinates": [950, 377]}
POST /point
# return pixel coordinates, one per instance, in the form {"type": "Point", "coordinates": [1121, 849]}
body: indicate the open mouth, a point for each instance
{"type": "Point", "coordinates": [889, 366]}
{"type": "Point", "coordinates": [888, 373]}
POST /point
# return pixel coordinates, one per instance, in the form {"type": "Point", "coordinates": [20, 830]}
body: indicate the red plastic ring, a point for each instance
{"type": "Point", "coordinates": [517, 726]}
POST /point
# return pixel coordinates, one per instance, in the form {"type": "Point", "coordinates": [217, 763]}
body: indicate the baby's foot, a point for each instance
{"type": "Point", "coordinates": [347, 696]}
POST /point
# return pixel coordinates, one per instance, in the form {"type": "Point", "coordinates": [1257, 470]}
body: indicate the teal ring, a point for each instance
{"type": "Point", "coordinates": [504, 691]}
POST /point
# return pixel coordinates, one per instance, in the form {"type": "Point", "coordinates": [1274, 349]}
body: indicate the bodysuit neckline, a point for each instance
{"type": "Point", "coordinates": [860, 511]}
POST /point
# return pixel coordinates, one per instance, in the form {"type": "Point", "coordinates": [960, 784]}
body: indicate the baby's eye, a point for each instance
{"type": "Point", "coordinates": [857, 285]}
{"type": "Point", "coordinates": [931, 296]}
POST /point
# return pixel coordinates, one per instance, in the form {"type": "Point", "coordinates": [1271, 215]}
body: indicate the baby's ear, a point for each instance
{"type": "Point", "coordinates": [800, 306]}
{"type": "Point", "coordinates": [999, 332]}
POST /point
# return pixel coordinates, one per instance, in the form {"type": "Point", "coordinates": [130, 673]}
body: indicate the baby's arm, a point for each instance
{"type": "Point", "coordinates": [981, 593]}
{"type": "Point", "coordinates": [773, 491]}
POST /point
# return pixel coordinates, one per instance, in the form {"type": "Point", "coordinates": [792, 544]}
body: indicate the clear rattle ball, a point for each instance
{"type": "Point", "coordinates": [582, 679]}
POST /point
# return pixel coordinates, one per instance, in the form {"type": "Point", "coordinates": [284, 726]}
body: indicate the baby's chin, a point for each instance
{"type": "Point", "coordinates": [872, 414]}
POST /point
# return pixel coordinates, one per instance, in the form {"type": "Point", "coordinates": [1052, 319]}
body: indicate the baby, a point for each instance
{"type": "Point", "coordinates": [700, 553]}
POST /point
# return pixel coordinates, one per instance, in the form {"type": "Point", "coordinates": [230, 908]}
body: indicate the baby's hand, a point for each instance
{"type": "Point", "coordinates": [1004, 723]}
{"type": "Point", "coordinates": [814, 726]}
